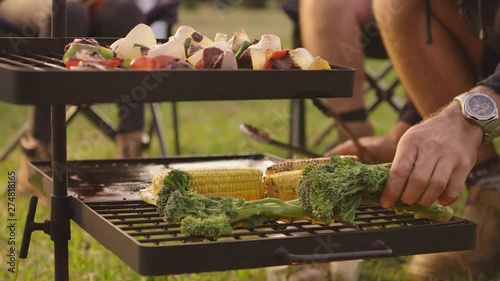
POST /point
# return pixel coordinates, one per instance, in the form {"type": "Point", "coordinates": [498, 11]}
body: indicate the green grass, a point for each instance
{"type": "Point", "coordinates": [205, 128]}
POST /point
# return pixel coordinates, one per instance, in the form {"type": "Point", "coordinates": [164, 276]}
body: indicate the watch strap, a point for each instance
{"type": "Point", "coordinates": [486, 174]}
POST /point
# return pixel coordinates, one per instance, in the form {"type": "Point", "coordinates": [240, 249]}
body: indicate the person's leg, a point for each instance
{"type": "Point", "coordinates": [36, 143]}
{"type": "Point", "coordinates": [115, 18]}
{"type": "Point", "coordinates": [333, 29]}
{"type": "Point", "coordinates": [36, 146]}
{"type": "Point", "coordinates": [130, 131]}
{"type": "Point", "coordinates": [433, 74]}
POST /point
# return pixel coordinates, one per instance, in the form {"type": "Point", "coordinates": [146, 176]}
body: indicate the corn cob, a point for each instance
{"type": "Point", "coordinates": [282, 179]}
{"type": "Point", "coordinates": [283, 185]}
{"type": "Point", "coordinates": [235, 182]}
{"type": "Point", "coordinates": [300, 164]}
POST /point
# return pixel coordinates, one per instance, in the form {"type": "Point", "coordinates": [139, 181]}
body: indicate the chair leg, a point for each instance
{"type": "Point", "coordinates": [323, 134]}
{"type": "Point", "coordinates": [14, 141]}
{"type": "Point", "coordinates": [157, 126]}
{"type": "Point", "coordinates": [175, 126]}
{"type": "Point", "coordinates": [101, 121]}
{"type": "Point", "coordinates": [297, 124]}
{"type": "Point", "coordinates": [71, 113]}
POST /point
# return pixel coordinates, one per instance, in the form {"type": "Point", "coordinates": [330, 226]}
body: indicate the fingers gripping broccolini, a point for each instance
{"type": "Point", "coordinates": [334, 191]}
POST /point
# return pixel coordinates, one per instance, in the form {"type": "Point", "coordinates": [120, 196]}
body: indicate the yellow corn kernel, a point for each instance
{"type": "Point", "coordinates": [157, 183]}
{"type": "Point", "coordinates": [283, 185]}
{"type": "Point", "coordinates": [245, 183]}
{"type": "Point", "coordinates": [300, 164]}
{"type": "Point", "coordinates": [295, 164]}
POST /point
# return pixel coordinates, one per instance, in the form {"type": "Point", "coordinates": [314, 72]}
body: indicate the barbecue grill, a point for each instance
{"type": "Point", "coordinates": [105, 203]}
{"type": "Point", "coordinates": [107, 207]}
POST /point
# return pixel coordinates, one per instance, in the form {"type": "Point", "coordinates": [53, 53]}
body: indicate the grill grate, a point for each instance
{"type": "Point", "coordinates": [32, 61]}
{"type": "Point", "coordinates": [141, 221]}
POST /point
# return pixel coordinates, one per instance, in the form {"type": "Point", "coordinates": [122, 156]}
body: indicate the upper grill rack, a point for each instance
{"type": "Point", "coordinates": [39, 62]}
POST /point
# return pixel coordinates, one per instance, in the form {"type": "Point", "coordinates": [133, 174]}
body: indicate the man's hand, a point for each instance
{"type": "Point", "coordinates": [381, 149]}
{"type": "Point", "coordinates": [433, 160]}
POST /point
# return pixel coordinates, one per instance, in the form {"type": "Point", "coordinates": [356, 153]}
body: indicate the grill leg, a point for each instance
{"type": "Point", "coordinates": [59, 211]}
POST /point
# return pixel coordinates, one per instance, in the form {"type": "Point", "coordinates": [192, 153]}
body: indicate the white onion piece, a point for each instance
{"type": "Point", "coordinates": [238, 39]}
{"type": "Point", "coordinates": [302, 57]}
{"type": "Point", "coordinates": [114, 47]}
{"type": "Point", "coordinates": [184, 32]}
{"type": "Point", "coordinates": [170, 48]}
{"type": "Point", "coordinates": [141, 34]}
{"type": "Point", "coordinates": [258, 51]}
{"type": "Point", "coordinates": [220, 37]}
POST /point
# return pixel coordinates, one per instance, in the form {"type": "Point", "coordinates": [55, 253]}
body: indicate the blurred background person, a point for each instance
{"type": "Point", "coordinates": [85, 18]}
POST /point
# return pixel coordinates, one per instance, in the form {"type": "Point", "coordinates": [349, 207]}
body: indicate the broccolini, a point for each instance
{"type": "Point", "coordinates": [327, 192]}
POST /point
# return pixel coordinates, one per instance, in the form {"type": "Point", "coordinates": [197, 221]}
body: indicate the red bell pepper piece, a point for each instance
{"type": "Point", "coordinates": [111, 63]}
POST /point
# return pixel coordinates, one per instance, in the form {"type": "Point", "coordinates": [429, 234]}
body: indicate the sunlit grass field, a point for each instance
{"type": "Point", "coordinates": [206, 128]}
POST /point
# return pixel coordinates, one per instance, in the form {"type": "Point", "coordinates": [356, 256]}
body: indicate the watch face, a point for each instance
{"type": "Point", "coordinates": [481, 107]}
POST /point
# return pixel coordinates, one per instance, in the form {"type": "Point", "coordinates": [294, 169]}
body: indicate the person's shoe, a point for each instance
{"type": "Point", "coordinates": [334, 271]}
{"type": "Point", "coordinates": [32, 151]}
{"type": "Point", "coordinates": [129, 145]}
{"type": "Point", "coordinates": [305, 272]}
{"type": "Point", "coordinates": [485, 258]}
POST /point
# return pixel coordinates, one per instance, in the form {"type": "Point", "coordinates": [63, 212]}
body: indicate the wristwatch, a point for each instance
{"type": "Point", "coordinates": [481, 110]}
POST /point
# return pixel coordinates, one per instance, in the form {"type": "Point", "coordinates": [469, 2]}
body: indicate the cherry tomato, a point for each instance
{"type": "Point", "coordinates": [162, 61]}
{"type": "Point", "coordinates": [144, 63]}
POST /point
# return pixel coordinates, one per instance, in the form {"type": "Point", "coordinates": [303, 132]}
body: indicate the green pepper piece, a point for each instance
{"type": "Point", "coordinates": [243, 47]}
{"type": "Point", "coordinates": [187, 42]}
{"type": "Point", "coordinates": [74, 48]}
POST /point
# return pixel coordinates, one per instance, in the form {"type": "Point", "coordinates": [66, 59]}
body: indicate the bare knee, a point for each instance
{"type": "Point", "coordinates": [393, 14]}
{"type": "Point", "coordinates": [327, 12]}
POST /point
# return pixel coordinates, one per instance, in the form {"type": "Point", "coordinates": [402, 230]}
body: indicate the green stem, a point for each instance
{"type": "Point", "coordinates": [433, 212]}
{"type": "Point", "coordinates": [271, 208]}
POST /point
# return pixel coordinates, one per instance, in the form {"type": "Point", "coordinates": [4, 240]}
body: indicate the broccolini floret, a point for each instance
{"type": "Point", "coordinates": [213, 216]}
{"type": "Point", "coordinates": [334, 191]}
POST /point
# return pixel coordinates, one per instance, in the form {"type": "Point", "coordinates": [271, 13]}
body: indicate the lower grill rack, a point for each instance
{"type": "Point", "coordinates": [133, 230]}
